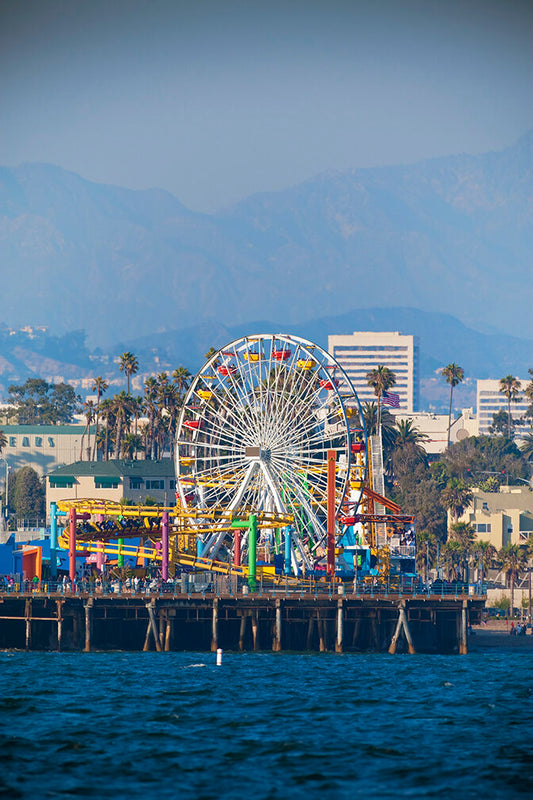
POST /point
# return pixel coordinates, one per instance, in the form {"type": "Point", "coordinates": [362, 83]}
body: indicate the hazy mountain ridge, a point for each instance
{"type": "Point", "coordinates": [452, 233]}
{"type": "Point", "coordinates": [442, 339]}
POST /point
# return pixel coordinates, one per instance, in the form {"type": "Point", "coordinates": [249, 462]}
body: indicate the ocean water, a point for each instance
{"type": "Point", "coordinates": [174, 725]}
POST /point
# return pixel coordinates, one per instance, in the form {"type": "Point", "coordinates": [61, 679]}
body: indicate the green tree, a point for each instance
{"type": "Point", "coordinates": [28, 493]}
{"type": "Point", "coordinates": [500, 424]}
{"type": "Point", "coordinates": [121, 407]}
{"type": "Point", "coordinates": [181, 378]}
{"type": "Point", "coordinates": [129, 365]}
{"type": "Point", "coordinates": [88, 410]}
{"type": "Point", "coordinates": [510, 388]}
{"type": "Point", "coordinates": [40, 403]}
{"type": "Point", "coordinates": [3, 440]}
{"type": "Point", "coordinates": [132, 444]}
{"type": "Point", "coordinates": [454, 374]}
{"type": "Point", "coordinates": [475, 458]}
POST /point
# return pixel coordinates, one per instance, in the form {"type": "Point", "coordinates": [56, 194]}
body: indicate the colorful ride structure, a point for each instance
{"type": "Point", "coordinates": [274, 472]}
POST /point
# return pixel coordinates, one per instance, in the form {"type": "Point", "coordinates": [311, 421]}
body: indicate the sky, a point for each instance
{"type": "Point", "coordinates": [214, 101]}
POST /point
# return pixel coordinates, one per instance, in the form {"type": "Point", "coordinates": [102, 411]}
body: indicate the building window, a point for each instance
{"type": "Point", "coordinates": [25, 441]}
{"type": "Point", "coordinates": [51, 442]}
{"type": "Point", "coordinates": [483, 527]}
{"type": "Point", "coordinates": [61, 483]}
{"type": "Point", "coordinates": [155, 484]}
{"type": "Point", "coordinates": [106, 483]}
{"type": "Point", "coordinates": [12, 441]}
{"type": "Point", "coordinates": [136, 483]}
{"type": "Point", "coordinates": [38, 441]}
{"type": "Point", "coordinates": [172, 484]}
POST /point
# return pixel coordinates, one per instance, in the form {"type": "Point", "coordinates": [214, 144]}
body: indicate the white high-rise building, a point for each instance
{"type": "Point", "coordinates": [362, 351]}
{"type": "Point", "coordinates": [490, 400]}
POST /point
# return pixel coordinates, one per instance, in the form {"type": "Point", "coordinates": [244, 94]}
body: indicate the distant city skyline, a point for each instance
{"type": "Point", "coordinates": [214, 102]}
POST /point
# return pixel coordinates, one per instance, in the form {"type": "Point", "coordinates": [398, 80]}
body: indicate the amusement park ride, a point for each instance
{"type": "Point", "coordinates": [275, 476]}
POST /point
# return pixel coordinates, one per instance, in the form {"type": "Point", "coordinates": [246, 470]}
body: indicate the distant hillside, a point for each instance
{"type": "Point", "coordinates": [446, 235]}
{"type": "Point", "coordinates": [442, 339]}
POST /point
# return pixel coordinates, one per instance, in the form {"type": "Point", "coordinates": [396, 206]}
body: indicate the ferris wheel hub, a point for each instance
{"type": "Point", "coordinates": [257, 453]}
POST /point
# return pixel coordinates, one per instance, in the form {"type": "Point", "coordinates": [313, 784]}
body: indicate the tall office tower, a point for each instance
{"type": "Point", "coordinates": [490, 400]}
{"type": "Point", "coordinates": [363, 351]}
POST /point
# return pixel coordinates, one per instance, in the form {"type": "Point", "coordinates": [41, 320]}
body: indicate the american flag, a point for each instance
{"type": "Point", "coordinates": [391, 399]}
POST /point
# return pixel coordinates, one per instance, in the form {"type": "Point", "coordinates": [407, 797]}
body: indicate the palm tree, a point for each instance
{"type": "Point", "coordinates": [451, 554]}
{"type": "Point", "coordinates": [100, 386]}
{"type": "Point", "coordinates": [128, 364]}
{"type": "Point", "coordinates": [3, 440]}
{"type": "Point", "coordinates": [454, 375]}
{"type": "Point", "coordinates": [132, 443]}
{"type": "Point", "coordinates": [181, 377]}
{"type": "Point", "coordinates": [485, 553]}
{"type": "Point", "coordinates": [381, 380]}
{"type": "Point", "coordinates": [526, 448]}
{"type": "Point", "coordinates": [88, 408]}
{"type": "Point", "coordinates": [510, 388]}
{"type": "Point", "coordinates": [121, 405]}
{"type": "Point", "coordinates": [456, 497]}
{"type": "Point", "coordinates": [150, 406]}
{"type": "Point", "coordinates": [513, 560]}
{"type": "Point", "coordinates": [463, 533]}
{"type": "Point", "coordinates": [426, 551]}
{"type": "Point", "coordinates": [409, 436]}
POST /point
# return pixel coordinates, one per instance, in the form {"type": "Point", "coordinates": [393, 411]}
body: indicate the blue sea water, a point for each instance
{"type": "Point", "coordinates": [174, 725]}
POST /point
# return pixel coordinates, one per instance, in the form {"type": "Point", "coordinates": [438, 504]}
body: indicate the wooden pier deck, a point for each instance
{"type": "Point", "coordinates": [274, 621]}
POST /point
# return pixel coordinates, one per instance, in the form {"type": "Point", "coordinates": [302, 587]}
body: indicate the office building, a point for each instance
{"type": "Point", "coordinates": [362, 351]}
{"type": "Point", "coordinates": [490, 401]}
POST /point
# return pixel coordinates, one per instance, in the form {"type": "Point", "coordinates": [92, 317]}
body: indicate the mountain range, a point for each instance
{"type": "Point", "coordinates": [442, 339]}
{"type": "Point", "coordinates": [450, 235]}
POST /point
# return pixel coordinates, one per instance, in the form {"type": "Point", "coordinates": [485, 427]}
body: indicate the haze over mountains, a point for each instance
{"type": "Point", "coordinates": [451, 236]}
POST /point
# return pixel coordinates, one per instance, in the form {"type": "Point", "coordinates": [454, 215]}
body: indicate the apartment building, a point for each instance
{"type": "Point", "coordinates": [503, 517]}
{"type": "Point", "coordinates": [490, 400]}
{"type": "Point", "coordinates": [45, 447]}
{"type": "Point", "coordinates": [362, 351]}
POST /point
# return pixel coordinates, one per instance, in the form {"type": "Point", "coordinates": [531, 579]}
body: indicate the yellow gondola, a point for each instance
{"type": "Point", "coordinates": [306, 363]}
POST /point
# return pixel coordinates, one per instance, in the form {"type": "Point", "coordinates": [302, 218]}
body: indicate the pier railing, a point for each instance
{"type": "Point", "coordinates": [221, 585]}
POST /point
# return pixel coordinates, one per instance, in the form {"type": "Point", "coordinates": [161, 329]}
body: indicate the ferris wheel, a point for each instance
{"type": "Point", "coordinates": [254, 433]}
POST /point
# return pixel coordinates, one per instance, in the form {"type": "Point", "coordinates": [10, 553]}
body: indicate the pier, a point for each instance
{"type": "Point", "coordinates": [278, 620]}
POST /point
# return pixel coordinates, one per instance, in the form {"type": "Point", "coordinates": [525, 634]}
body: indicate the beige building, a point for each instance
{"type": "Point", "coordinates": [45, 447]}
{"type": "Point", "coordinates": [362, 351]}
{"type": "Point", "coordinates": [435, 428]}
{"type": "Point", "coordinates": [501, 518]}
{"type": "Point", "coordinates": [113, 480]}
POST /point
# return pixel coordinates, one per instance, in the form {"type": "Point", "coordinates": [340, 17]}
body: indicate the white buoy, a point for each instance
{"type": "Point", "coordinates": [219, 657]}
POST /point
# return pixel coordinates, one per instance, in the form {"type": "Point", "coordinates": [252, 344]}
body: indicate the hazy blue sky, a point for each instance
{"type": "Point", "coordinates": [216, 100]}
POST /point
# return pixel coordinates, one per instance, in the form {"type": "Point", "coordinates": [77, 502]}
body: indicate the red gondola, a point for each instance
{"type": "Point", "coordinates": [358, 447]}
{"type": "Point", "coordinates": [227, 369]}
{"type": "Point", "coordinates": [281, 355]}
{"type": "Point", "coordinates": [328, 384]}
{"type": "Point", "coordinates": [194, 424]}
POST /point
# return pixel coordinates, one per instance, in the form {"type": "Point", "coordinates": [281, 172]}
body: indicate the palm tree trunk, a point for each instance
{"type": "Point", "coordinates": [450, 414]}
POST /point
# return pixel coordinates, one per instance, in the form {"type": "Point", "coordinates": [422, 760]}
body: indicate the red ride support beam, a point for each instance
{"type": "Point", "coordinates": [72, 546]}
{"type": "Point", "coordinates": [237, 548]}
{"type": "Point", "coordinates": [332, 462]}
